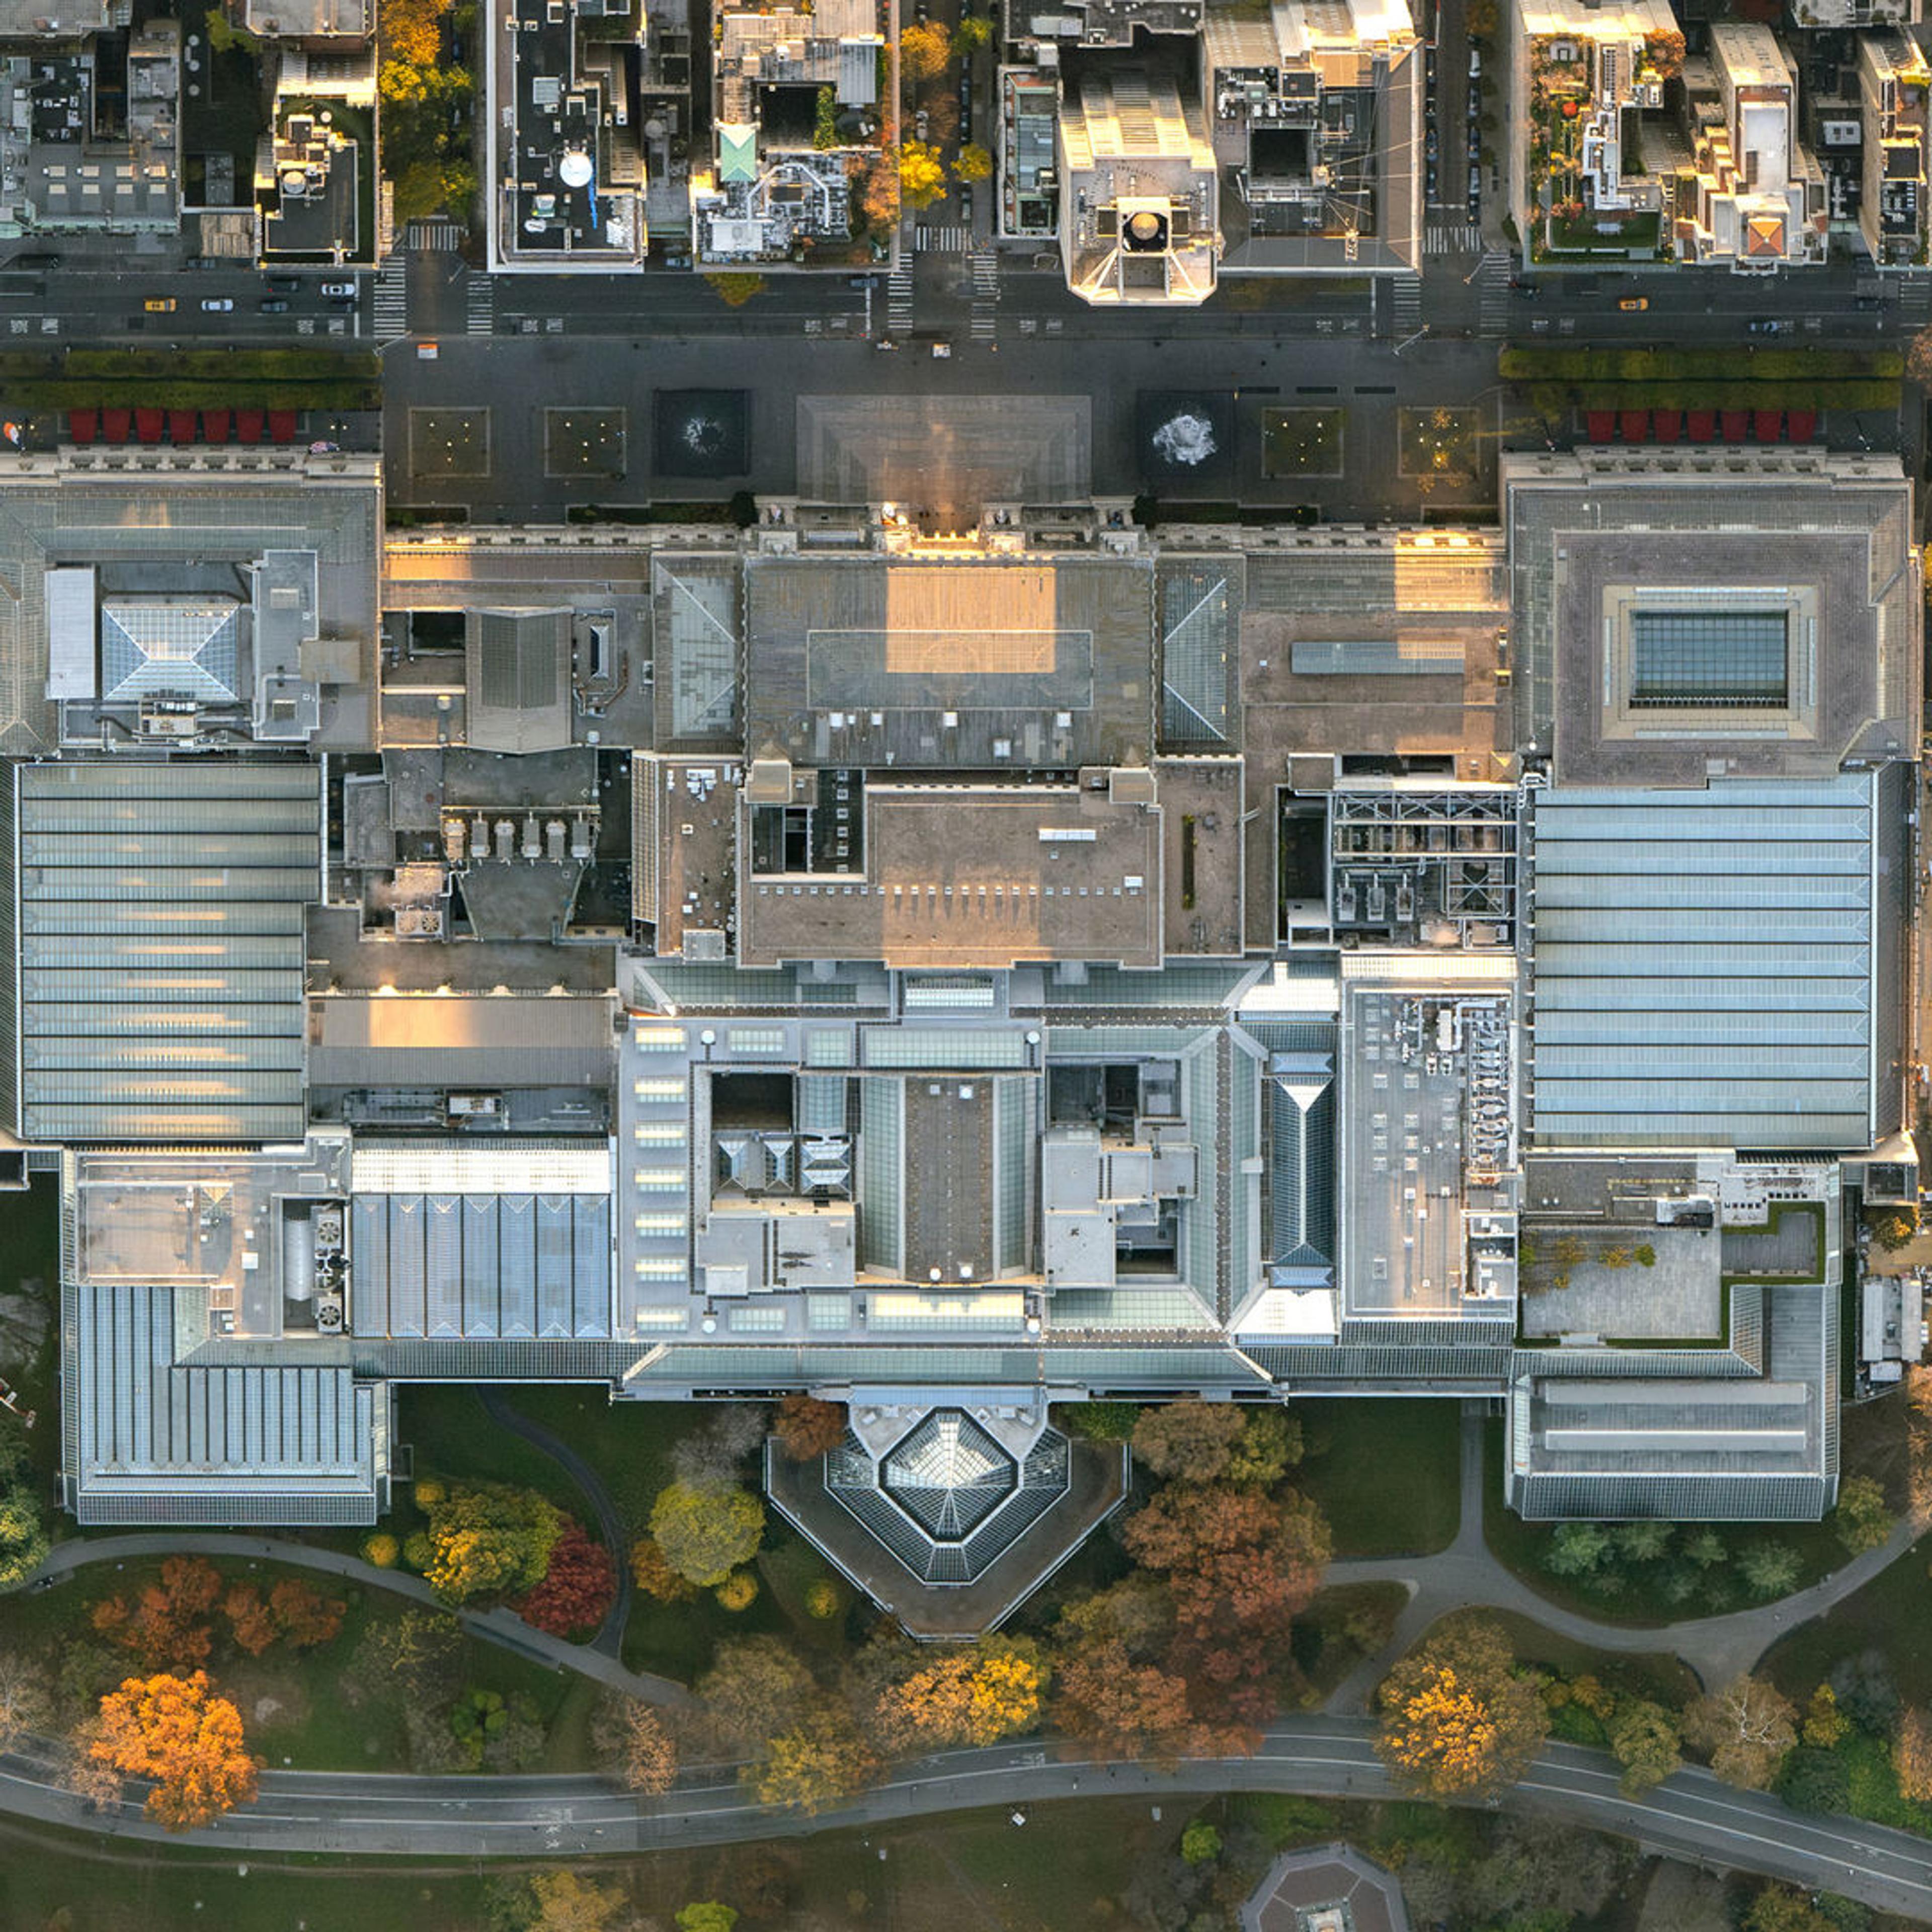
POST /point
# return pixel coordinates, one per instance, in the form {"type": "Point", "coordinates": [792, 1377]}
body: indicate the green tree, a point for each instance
{"type": "Point", "coordinates": [974, 31]}
{"type": "Point", "coordinates": [1780, 1908]}
{"type": "Point", "coordinates": [1645, 1738]}
{"type": "Point", "coordinates": [1861, 1520]}
{"type": "Point", "coordinates": [705, 1533]}
{"type": "Point", "coordinates": [1770, 1569]}
{"type": "Point", "coordinates": [1200, 1844]}
{"type": "Point", "coordinates": [1644, 1540]}
{"type": "Point", "coordinates": [1576, 1549]}
{"type": "Point", "coordinates": [1812, 1780]}
{"type": "Point", "coordinates": [707, 1914]}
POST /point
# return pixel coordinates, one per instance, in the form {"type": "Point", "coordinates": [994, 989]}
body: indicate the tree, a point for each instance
{"type": "Point", "coordinates": [735, 288]}
{"type": "Point", "coordinates": [1746, 1728]}
{"type": "Point", "coordinates": [925, 52]}
{"type": "Point", "coordinates": [23, 1538]}
{"type": "Point", "coordinates": [1645, 1738]}
{"type": "Point", "coordinates": [922, 177]}
{"type": "Point", "coordinates": [1457, 1720]}
{"type": "Point", "coordinates": [705, 1534]}
{"type": "Point", "coordinates": [1234, 1559]}
{"type": "Point", "coordinates": [974, 31]}
{"type": "Point", "coordinates": [486, 1539]}
{"type": "Point", "coordinates": [1123, 1708]}
{"type": "Point", "coordinates": [565, 1903]}
{"type": "Point", "coordinates": [808, 1428]}
{"type": "Point", "coordinates": [1861, 1520]}
{"type": "Point", "coordinates": [1780, 1908]}
{"type": "Point", "coordinates": [1200, 1844]}
{"type": "Point", "coordinates": [250, 1622]}
{"type": "Point", "coordinates": [165, 1628]}
{"type": "Point", "coordinates": [1099, 1421]}
{"type": "Point", "coordinates": [1814, 1780]}
{"type": "Point", "coordinates": [381, 1549]}
{"type": "Point", "coordinates": [576, 1590]}
{"type": "Point", "coordinates": [169, 1728]}
{"type": "Point", "coordinates": [706, 1915]}
{"type": "Point", "coordinates": [755, 1688]}
{"type": "Point", "coordinates": [821, 1760]}
{"type": "Point", "coordinates": [632, 1740]}
{"type": "Point", "coordinates": [655, 1577]}
{"type": "Point", "coordinates": [1825, 1725]}
{"type": "Point", "coordinates": [973, 164]}
{"type": "Point", "coordinates": [306, 1618]}
{"type": "Point", "coordinates": [1644, 1540]}
{"type": "Point", "coordinates": [1770, 1569]}
{"type": "Point", "coordinates": [715, 1455]}
{"type": "Point", "coordinates": [1895, 1228]}
{"type": "Point", "coordinates": [974, 1696]}
{"type": "Point", "coordinates": [1911, 1755]}
{"type": "Point", "coordinates": [25, 1703]}
{"type": "Point", "coordinates": [739, 1591]}
{"type": "Point", "coordinates": [1576, 1549]}
{"type": "Point", "coordinates": [1190, 1441]}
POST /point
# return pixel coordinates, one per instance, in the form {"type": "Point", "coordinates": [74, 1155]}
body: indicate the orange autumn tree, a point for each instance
{"type": "Point", "coordinates": [1457, 1720]}
{"type": "Point", "coordinates": [973, 1696]}
{"type": "Point", "coordinates": [170, 1728]}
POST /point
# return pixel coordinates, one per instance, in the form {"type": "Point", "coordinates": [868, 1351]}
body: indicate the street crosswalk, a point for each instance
{"type": "Point", "coordinates": [389, 312]}
{"type": "Point", "coordinates": [1406, 292]}
{"type": "Point", "coordinates": [950, 238]}
{"type": "Point", "coordinates": [435, 236]}
{"type": "Point", "coordinates": [985, 294]}
{"type": "Point", "coordinates": [480, 314]}
{"type": "Point", "coordinates": [1451, 237]}
{"type": "Point", "coordinates": [1492, 290]}
{"type": "Point", "coordinates": [899, 303]}
{"type": "Point", "coordinates": [1915, 298]}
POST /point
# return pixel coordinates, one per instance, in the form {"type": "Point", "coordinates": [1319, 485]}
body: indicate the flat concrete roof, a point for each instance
{"type": "Point", "coordinates": [973, 875]}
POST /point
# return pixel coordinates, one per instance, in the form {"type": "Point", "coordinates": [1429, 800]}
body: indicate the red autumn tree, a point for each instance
{"type": "Point", "coordinates": [250, 1622]}
{"type": "Point", "coordinates": [808, 1427]}
{"type": "Point", "coordinates": [1238, 1562]}
{"type": "Point", "coordinates": [167, 1624]}
{"type": "Point", "coordinates": [1123, 1708]}
{"type": "Point", "coordinates": [576, 1589]}
{"type": "Point", "coordinates": [304, 1615]}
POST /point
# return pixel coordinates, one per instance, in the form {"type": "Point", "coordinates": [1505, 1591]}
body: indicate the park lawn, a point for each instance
{"type": "Point", "coordinates": [677, 1640]}
{"type": "Point", "coordinates": [628, 1444]}
{"type": "Point", "coordinates": [1325, 1648]}
{"type": "Point", "coordinates": [1386, 1471]}
{"type": "Point", "coordinates": [445, 1424]}
{"type": "Point", "coordinates": [1883, 1616]}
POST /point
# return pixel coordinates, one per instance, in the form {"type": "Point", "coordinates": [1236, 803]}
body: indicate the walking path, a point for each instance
{"type": "Point", "coordinates": [610, 1637]}
{"type": "Point", "coordinates": [1467, 1576]}
{"type": "Point", "coordinates": [499, 1626]}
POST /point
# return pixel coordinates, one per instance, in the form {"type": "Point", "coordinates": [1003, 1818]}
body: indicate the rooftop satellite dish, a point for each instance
{"type": "Point", "coordinates": [575, 170]}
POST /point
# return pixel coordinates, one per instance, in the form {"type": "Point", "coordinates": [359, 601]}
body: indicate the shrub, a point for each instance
{"type": "Point", "coordinates": [821, 1599]}
{"type": "Point", "coordinates": [418, 1553]}
{"type": "Point", "coordinates": [739, 1590]}
{"type": "Point", "coordinates": [429, 1491]}
{"type": "Point", "coordinates": [381, 1549]}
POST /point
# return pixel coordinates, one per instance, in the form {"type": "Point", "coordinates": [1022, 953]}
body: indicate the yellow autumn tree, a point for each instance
{"type": "Point", "coordinates": [169, 1728]}
{"type": "Point", "coordinates": [1457, 1720]}
{"type": "Point", "coordinates": [921, 174]}
{"type": "Point", "coordinates": [969, 1697]}
{"type": "Point", "coordinates": [1911, 1755]}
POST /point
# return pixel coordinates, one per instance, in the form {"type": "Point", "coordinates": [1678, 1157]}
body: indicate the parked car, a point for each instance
{"type": "Point", "coordinates": [339, 288]}
{"type": "Point", "coordinates": [1475, 184]}
{"type": "Point", "coordinates": [1475, 61]}
{"type": "Point", "coordinates": [217, 305]}
{"type": "Point", "coordinates": [275, 305]}
{"type": "Point", "coordinates": [1634, 303]}
{"type": "Point", "coordinates": [283, 285]}
{"type": "Point", "coordinates": [160, 304]}
{"type": "Point", "coordinates": [1430, 182]}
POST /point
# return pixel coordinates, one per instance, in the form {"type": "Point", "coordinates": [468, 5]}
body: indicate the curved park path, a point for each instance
{"type": "Point", "coordinates": [499, 1626]}
{"type": "Point", "coordinates": [1467, 1575]}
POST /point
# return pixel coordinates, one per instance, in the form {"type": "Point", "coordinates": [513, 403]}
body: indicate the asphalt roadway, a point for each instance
{"type": "Point", "coordinates": [1691, 1816]}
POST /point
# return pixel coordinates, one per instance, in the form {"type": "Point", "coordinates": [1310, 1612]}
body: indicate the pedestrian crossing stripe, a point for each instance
{"type": "Point", "coordinates": [952, 239]}
{"type": "Point", "coordinates": [1452, 238]}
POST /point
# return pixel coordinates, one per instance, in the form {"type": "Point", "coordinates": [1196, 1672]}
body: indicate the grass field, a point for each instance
{"type": "Point", "coordinates": [1386, 1473]}
{"type": "Point", "coordinates": [1884, 1615]}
